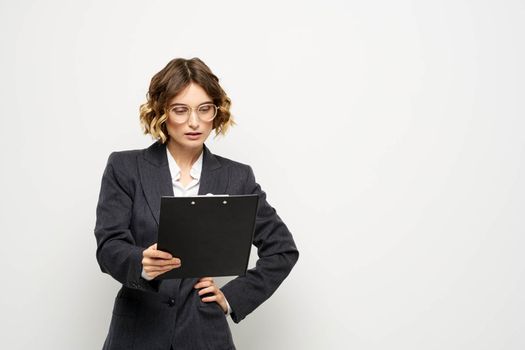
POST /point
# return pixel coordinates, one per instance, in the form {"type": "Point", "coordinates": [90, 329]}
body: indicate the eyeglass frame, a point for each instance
{"type": "Point", "coordinates": [191, 109]}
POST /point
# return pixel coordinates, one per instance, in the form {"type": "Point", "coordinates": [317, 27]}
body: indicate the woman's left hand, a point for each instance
{"type": "Point", "coordinates": [207, 285]}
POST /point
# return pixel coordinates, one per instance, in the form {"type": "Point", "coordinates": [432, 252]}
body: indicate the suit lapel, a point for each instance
{"type": "Point", "coordinates": [155, 176]}
{"type": "Point", "coordinates": [156, 180]}
{"type": "Point", "coordinates": [214, 177]}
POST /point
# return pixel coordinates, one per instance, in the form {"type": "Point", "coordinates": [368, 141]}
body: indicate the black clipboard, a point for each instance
{"type": "Point", "coordinates": [212, 235]}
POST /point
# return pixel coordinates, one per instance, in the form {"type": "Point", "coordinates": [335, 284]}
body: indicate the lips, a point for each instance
{"type": "Point", "coordinates": [193, 136]}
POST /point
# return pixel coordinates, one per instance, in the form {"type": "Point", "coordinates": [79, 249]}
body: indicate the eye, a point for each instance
{"type": "Point", "coordinates": [205, 108]}
{"type": "Point", "coordinates": [180, 110]}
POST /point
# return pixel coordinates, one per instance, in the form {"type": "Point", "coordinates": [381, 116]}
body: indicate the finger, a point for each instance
{"type": "Point", "coordinates": [149, 249]}
{"type": "Point", "coordinates": [160, 262]}
{"type": "Point", "coordinates": [160, 268]}
{"type": "Point", "coordinates": [210, 298]}
{"type": "Point", "coordinates": [151, 253]}
{"type": "Point", "coordinates": [203, 284]}
{"type": "Point", "coordinates": [204, 279]}
{"type": "Point", "coordinates": [211, 289]}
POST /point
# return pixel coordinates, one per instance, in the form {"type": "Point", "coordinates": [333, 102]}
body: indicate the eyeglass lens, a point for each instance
{"type": "Point", "coordinates": [205, 112]}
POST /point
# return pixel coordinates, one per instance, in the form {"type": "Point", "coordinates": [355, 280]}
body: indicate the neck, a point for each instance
{"type": "Point", "coordinates": [185, 157]}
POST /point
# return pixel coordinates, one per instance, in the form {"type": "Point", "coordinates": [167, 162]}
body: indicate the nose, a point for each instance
{"type": "Point", "coordinates": [193, 120]}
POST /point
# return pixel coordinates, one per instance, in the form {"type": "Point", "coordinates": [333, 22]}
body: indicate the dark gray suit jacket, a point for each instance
{"type": "Point", "coordinates": [159, 314]}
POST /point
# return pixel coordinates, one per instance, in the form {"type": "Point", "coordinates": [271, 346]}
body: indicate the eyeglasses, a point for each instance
{"type": "Point", "coordinates": [181, 113]}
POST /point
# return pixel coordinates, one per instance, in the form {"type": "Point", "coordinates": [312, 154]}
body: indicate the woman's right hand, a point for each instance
{"type": "Point", "coordinates": [156, 262]}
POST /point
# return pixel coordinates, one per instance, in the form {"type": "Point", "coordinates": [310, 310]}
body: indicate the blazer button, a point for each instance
{"type": "Point", "coordinates": [171, 302]}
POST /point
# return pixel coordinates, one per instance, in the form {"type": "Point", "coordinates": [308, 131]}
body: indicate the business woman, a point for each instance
{"type": "Point", "coordinates": [185, 103]}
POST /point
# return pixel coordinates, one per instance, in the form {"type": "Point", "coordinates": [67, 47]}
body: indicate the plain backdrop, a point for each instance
{"type": "Point", "coordinates": [388, 135]}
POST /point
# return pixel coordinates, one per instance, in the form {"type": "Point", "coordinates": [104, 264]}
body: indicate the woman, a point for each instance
{"type": "Point", "coordinates": [184, 104]}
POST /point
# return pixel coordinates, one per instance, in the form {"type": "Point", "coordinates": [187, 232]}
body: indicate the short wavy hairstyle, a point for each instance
{"type": "Point", "coordinates": [170, 81]}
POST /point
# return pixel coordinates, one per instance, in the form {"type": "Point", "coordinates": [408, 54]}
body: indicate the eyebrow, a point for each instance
{"type": "Point", "coordinates": [183, 104]}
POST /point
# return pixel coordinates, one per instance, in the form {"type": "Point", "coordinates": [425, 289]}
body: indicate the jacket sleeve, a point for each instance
{"type": "Point", "coordinates": [117, 253]}
{"type": "Point", "coordinates": [277, 256]}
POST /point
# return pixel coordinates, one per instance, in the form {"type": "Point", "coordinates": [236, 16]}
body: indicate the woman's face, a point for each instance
{"type": "Point", "coordinates": [193, 132]}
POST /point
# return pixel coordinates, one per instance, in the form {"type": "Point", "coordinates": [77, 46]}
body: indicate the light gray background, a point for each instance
{"type": "Point", "coordinates": [389, 136]}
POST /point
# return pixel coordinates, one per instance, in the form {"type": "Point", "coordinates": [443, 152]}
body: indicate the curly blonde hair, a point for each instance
{"type": "Point", "coordinates": [171, 80]}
